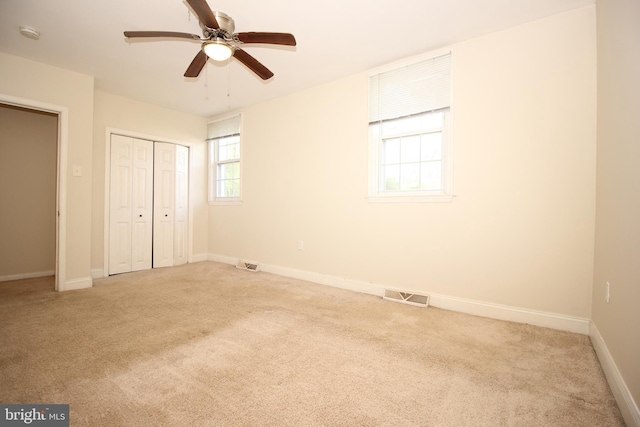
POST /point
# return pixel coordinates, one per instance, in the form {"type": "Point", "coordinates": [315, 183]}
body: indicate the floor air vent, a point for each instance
{"type": "Point", "coordinates": [247, 266]}
{"type": "Point", "coordinates": [406, 298]}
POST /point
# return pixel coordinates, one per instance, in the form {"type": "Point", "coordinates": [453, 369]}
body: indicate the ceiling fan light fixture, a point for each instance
{"type": "Point", "coordinates": [217, 50]}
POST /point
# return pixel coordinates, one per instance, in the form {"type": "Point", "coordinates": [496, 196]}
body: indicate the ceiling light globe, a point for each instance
{"type": "Point", "coordinates": [217, 50]}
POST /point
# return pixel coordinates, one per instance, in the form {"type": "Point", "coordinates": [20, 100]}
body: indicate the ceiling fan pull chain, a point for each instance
{"type": "Point", "coordinates": [206, 82]}
{"type": "Point", "coordinates": [228, 84]}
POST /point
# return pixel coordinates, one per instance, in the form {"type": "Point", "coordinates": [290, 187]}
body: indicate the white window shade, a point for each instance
{"type": "Point", "coordinates": [416, 88]}
{"type": "Point", "coordinates": [225, 127]}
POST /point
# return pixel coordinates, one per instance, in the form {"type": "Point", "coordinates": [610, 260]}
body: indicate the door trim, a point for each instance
{"type": "Point", "coordinates": [61, 184]}
{"type": "Point", "coordinates": [107, 171]}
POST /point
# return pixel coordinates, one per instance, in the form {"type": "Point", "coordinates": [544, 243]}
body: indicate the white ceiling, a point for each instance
{"type": "Point", "coordinates": [336, 38]}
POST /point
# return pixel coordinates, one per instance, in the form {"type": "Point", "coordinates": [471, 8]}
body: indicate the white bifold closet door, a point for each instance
{"type": "Point", "coordinates": [131, 204]}
{"type": "Point", "coordinates": [170, 201]}
{"type": "Point", "coordinates": [164, 200]}
{"type": "Point", "coordinates": [181, 222]}
{"type": "Point", "coordinates": [149, 198]}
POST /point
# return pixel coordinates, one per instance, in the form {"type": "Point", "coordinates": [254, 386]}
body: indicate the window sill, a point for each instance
{"type": "Point", "coordinates": [225, 202]}
{"type": "Point", "coordinates": [397, 198]}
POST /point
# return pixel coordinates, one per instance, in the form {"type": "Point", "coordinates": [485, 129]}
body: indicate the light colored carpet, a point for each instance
{"type": "Point", "coordinates": [208, 344]}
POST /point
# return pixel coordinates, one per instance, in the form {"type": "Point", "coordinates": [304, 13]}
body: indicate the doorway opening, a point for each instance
{"type": "Point", "coordinates": [34, 145]}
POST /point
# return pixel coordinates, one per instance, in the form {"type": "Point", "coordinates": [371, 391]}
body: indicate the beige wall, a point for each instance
{"type": "Point", "coordinates": [24, 79]}
{"type": "Point", "coordinates": [28, 168]}
{"type": "Point", "coordinates": [617, 249]}
{"type": "Point", "coordinates": [111, 111]}
{"type": "Point", "coordinates": [520, 230]}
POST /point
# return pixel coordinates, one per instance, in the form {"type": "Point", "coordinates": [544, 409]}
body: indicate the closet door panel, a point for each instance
{"type": "Point", "coordinates": [164, 204]}
{"type": "Point", "coordinates": [142, 189]}
{"type": "Point", "coordinates": [131, 196]}
{"type": "Point", "coordinates": [120, 209]}
{"type": "Point", "coordinates": [181, 224]}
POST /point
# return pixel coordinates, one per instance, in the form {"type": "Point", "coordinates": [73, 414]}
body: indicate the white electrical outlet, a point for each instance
{"type": "Point", "coordinates": [300, 244]}
{"type": "Point", "coordinates": [607, 295]}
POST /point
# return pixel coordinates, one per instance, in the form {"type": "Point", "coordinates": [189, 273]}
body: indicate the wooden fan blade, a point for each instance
{"type": "Point", "coordinates": [171, 34]}
{"type": "Point", "coordinates": [205, 15]}
{"type": "Point", "coordinates": [196, 65]}
{"type": "Point", "coordinates": [268, 38]}
{"type": "Point", "coordinates": [253, 64]}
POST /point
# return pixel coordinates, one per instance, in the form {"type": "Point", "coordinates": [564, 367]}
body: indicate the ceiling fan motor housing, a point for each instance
{"type": "Point", "coordinates": [226, 24]}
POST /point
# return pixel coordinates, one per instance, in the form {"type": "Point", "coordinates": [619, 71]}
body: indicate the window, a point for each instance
{"type": "Point", "coordinates": [410, 138]}
{"type": "Point", "coordinates": [224, 160]}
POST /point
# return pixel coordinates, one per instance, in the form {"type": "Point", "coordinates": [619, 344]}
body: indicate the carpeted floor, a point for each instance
{"type": "Point", "coordinates": [207, 344]}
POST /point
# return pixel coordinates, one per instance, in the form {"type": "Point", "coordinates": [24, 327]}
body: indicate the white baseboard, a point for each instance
{"type": "Point", "coordinates": [199, 257]}
{"type": "Point", "coordinates": [222, 259]}
{"type": "Point", "coordinates": [513, 314]}
{"type": "Point", "coordinates": [628, 407]}
{"type": "Point", "coordinates": [72, 285]}
{"type": "Point", "coordinates": [27, 275]}
{"type": "Point", "coordinates": [97, 273]}
{"type": "Point", "coordinates": [478, 308]}
{"type": "Point", "coordinates": [324, 279]}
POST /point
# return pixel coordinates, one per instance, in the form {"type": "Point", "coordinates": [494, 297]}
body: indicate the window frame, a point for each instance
{"type": "Point", "coordinates": [213, 163]}
{"type": "Point", "coordinates": [376, 143]}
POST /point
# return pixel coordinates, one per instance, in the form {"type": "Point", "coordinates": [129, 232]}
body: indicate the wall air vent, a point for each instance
{"type": "Point", "coordinates": [247, 266]}
{"type": "Point", "coordinates": [406, 297]}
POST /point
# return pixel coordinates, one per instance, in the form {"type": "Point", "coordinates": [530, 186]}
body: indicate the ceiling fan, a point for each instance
{"type": "Point", "coordinates": [219, 41]}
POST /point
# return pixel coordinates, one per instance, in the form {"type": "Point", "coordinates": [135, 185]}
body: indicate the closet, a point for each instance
{"type": "Point", "coordinates": [148, 204]}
